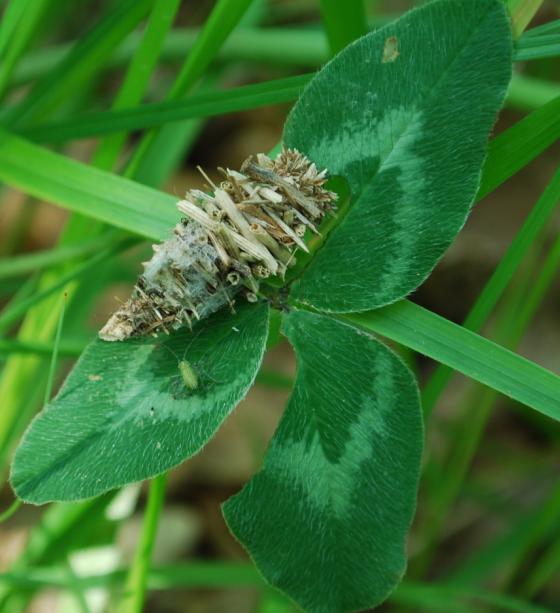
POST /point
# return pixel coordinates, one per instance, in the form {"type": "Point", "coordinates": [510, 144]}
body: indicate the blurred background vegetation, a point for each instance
{"type": "Point", "coordinates": [489, 506]}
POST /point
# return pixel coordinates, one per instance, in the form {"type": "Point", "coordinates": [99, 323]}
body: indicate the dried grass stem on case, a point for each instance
{"type": "Point", "coordinates": [247, 229]}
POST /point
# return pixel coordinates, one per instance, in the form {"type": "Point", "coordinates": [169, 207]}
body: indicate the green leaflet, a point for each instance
{"type": "Point", "coordinates": [123, 417]}
{"type": "Point", "coordinates": [404, 114]}
{"type": "Point", "coordinates": [326, 518]}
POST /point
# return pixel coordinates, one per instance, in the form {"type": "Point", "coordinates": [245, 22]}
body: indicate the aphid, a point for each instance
{"type": "Point", "coordinates": [189, 379]}
{"type": "Point", "coordinates": [189, 376]}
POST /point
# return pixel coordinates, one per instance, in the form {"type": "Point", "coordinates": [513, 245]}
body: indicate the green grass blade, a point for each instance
{"type": "Point", "coordinates": [441, 597]}
{"type": "Point", "coordinates": [11, 315]}
{"type": "Point", "coordinates": [534, 538]}
{"type": "Point", "coordinates": [531, 230]}
{"type": "Point", "coordinates": [525, 93]}
{"type": "Point", "coordinates": [160, 113]}
{"type": "Point", "coordinates": [95, 193]}
{"type": "Point", "coordinates": [518, 536]}
{"type": "Point", "coordinates": [466, 352]}
{"type": "Point", "coordinates": [289, 47]}
{"type": "Point", "coordinates": [544, 569]}
{"type": "Point", "coordinates": [66, 348]}
{"type": "Point", "coordinates": [135, 590]}
{"type": "Point", "coordinates": [220, 23]}
{"type": "Point", "coordinates": [10, 511]}
{"type": "Point", "coordinates": [516, 147]}
{"type": "Point", "coordinates": [343, 22]}
{"type": "Point", "coordinates": [552, 27]}
{"type": "Point", "coordinates": [216, 575]}
{"type": "Point", "coordinates": [12, 13]}
{"type": "Point", "coordinates": [138, 75]}
{"type": "Point", "coordinates": [537, 47]}
{"type": "Point", "coordinates": [31, 262]}
{"type": "Point", "coordinates": [54, 357]}
{"type": "Point", "coordinates": [79, 66]}
{"type": "Point", "coordinates": [194, 574]}
{"type": "Point", "coordinates": [476, 408]}
{"type": "Point", "coordinates": [529, 93]}
{"type": "Point", "coordinates": [547, 273]}
{"type": "Point", "coordinates": [16, 33]}
{"type": "Point", "coordinates": [293, 47]}
{"type": "Point", "coordinates": [522, 11]}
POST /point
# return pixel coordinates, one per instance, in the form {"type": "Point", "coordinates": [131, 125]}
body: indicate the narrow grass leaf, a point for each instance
{"type": "Point", "coordinates": [16, 33]}
{"type": "Point", "coordinates": [67, 348]}
{"type": "Point", "coordinates": [138, 75]}
{"type": "Point", "coordinates": [85, 58]}
{"type": "Point", "coordinates": [513, 149]}
{"type": "Point", "coordinates": [285, 46]}
{"type": "Point", "coordinates": [10, 18]}
{"type": "Point", "coordinates": [84, 189]}
{"type": "Point", "coordinates": [344, 22]}
{"type": "Point", "coordinates": [160, 113]}
{"type": "Point", "coordinates": [28, 263]}
{"type": "Point", "coordinates": [552, 27]}
{"type": "Point", "coordinates": [396, 118]}
{"type": "Point", "coordinates": [125, 420]}
{"type": "Point", "coordinates": [14, 312]}
{"type": "Point", "coordinates": [530, 93]}
{"type": "Point", "coordinates": [225, 15]}
{"type": "Point", "coordinates": [531, 230]}
{"type": "Point", "coordinates": [522, 11]}
{"type": "Point", "coordinates": [325, 520]}
{"type": "Point", "coordinates": [444, 598]}
{"type": "Point", "coordinates": [538, 47]}
{"type": "Point", "coordinates": [466, 352]}
{"type": "Point", "coordinates": [135, 589]}
{"type": "Point", "coordinates": [54, 356]}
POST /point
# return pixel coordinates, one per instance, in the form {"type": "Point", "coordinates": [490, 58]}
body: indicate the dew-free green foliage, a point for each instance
{"type": "Point", "coordinates": [343, 464]}
{"type": "Point", "coordinates": [404, 115]}
{"type": "Point", "coordinates": [126, 414]}
{"type": "Point", "coordinates": [406, 120]}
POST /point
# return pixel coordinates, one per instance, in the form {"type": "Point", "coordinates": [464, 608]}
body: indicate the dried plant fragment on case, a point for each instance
{"type": "Point", "coordinates": [228, 241]}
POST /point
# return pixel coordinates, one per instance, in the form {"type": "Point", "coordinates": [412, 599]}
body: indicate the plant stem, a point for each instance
{"type": "Point", "coordinates": [56, 345]}
{"type": "Point", "coordinates": [133, 599]}
{"type": "Point", "coordinates": [16, 504]}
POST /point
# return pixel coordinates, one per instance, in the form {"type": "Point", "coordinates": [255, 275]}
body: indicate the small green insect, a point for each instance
{"type": "Point", "coordinates": [191, 376]}
{"type": "Point", "coordinates": [188, 375]}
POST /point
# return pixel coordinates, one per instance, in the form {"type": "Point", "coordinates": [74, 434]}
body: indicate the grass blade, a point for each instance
{"type": "Point", "coordinates": [85, 59]}
{"type": "Point", "coordinates": [32, 262]}
{"type": "Point", "coordinates": [343, 22]}
{"type": "Point", "coordinates": [92, 192]}
{"type": "Point", "coordinates": [466, 352]}
{"type": "Point", "coordinates": [11, 315]}
{"type": "Point", "coordinates": [54, 357]}
{"type": "Point", "coordinates": [529, 93]}
{"type": "Point", "coordinates": [494, 289]}
{"type": "Point", "coordinates": [537, 47]}
{"type": "Point", "coordinates": [135, 590]}
{"type": "Point", "coordinates": [67, 348]}
{"type": "Point", "coordinates": [293, 47]}
{"type": "Point", "coordinates": [160, 113]}
{"type": "Point", "coordinates": [522, 11]}
{"type": "Point", "coordinates": [220, 23]}
{"type": "Point", "coordinates": [16, 33]}
{"type": "Point", "coordinates": [138, 75]}
{"type": "Point", "coordinates": [516, 147]}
